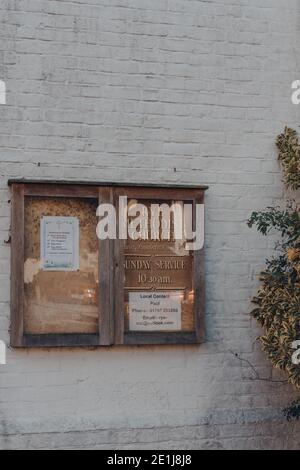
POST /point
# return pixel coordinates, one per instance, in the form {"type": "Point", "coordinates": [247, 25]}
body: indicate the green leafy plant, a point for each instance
{"type": "Point", "coordinates": [277, 303]}
{"type": "Point", "coordinates": [289, 156]}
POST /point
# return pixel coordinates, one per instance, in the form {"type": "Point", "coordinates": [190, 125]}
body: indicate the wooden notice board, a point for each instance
{"type": "Point", "coordinates": [70, 288]}
{"type": "Point", "coordinates": [161, 284]}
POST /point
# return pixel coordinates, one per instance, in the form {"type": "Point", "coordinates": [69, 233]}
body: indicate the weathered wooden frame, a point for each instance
{"type": "Point", "coordinates": [111, 274]}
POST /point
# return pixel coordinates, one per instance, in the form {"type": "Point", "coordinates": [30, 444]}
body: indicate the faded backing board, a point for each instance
{"type": "Point", "coordinates": [160, 266]}
{"type": "Point", "coordinates": [61, 302]}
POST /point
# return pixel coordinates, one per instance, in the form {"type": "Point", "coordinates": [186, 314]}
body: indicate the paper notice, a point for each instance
{"type": "Point", "coordinates": [60, 243]}
{"type": "Point", "coordinates": [155, 311]}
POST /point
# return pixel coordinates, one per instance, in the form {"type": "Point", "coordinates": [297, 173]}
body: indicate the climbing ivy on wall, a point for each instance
{"type": "Point", "coordinates": [277, 303]}
{"type": "Point", "coordinates": [289, 156]}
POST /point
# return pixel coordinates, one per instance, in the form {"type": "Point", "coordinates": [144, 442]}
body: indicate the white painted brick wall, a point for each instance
{"type": "Point", "coordinates": [163, 91]}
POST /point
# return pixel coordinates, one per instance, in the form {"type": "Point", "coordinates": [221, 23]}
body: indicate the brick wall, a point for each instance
{"type": "Point", "coordinates": [160, 91]}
